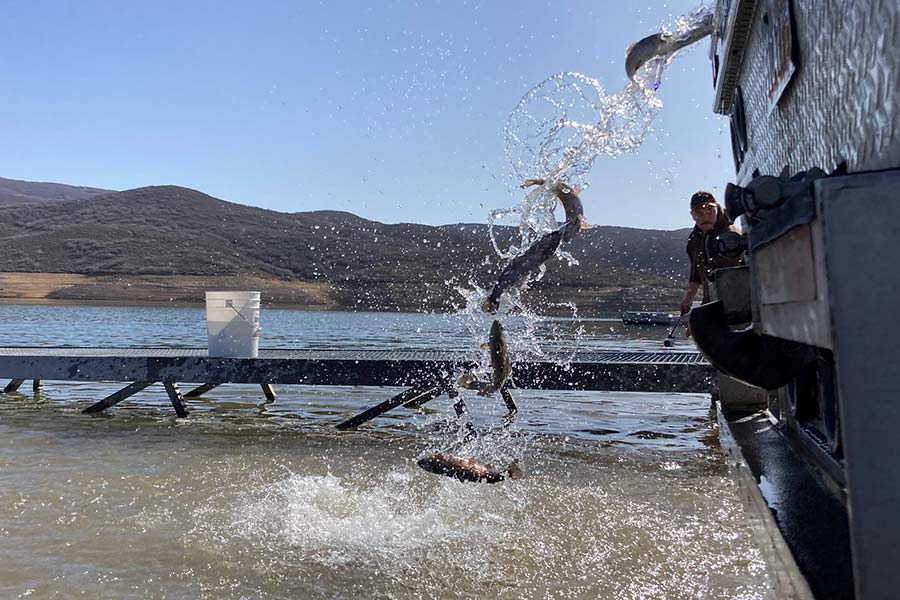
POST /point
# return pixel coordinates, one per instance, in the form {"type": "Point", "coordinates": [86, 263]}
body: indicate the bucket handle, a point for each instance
{"type": "Point", "coordinates": [230, 304]}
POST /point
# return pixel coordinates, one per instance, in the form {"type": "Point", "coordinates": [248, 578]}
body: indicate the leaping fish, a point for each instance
{"type": "Point", "coordinates": [661, 44]}
{"type": "Point", "coordinates": [519, 268]}
{"type": "Point", "coordinates": [467, 469]}
{"type": "Point", "coordinates": [569, 198]}
{"type": "Point", "coordinates": [575, 223]}
{"type": "Point", "coordinates": [501, 366]}
{"type": "Point", "coordinates": [500, 362]}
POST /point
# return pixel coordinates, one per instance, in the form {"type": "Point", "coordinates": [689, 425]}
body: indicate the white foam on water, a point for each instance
{"type": "Point", "coordinates": [338, 520]}
{"type": "Point", "coordinates": [426, 533]}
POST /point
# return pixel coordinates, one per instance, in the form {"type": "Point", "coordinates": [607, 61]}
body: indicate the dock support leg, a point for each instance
{"type": "Point", "coordinates": [176, 398]}
{"type": "Point", "coordinates": [426, 395]}
{"type": "Point", "coordinates": [37, 386]}
{"type": "Point", "coordinates": [117, 397]}
{"type": "Point", "coordinates": [367, 415]}
{"type": "Point", "coordinates": [13, 385]}
{"type": "Point", "coordinates": [461, 410]}
{"type": "Point", "coordinates": [202, 389]}
{"type": "Point", "coordinates": [269, 391]}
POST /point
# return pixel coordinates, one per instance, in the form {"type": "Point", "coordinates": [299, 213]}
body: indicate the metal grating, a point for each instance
{"type": "Point", "coordinates": [671, 357]}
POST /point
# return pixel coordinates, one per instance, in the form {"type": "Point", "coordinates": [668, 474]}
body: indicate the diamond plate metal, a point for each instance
{"type": "Point", "coordinates": [844, 101]}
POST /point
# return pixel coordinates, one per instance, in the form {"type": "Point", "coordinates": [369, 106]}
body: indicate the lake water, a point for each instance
{"type": "Point", "coordinates": [624, 496]}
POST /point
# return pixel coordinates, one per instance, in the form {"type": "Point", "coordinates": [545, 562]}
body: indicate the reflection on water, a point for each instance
{"type": "Point", "coordinates": [625, 495]}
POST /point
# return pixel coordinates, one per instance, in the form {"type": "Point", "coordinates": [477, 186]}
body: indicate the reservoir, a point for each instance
{"type": "Point", "coordinates": [625, 495]}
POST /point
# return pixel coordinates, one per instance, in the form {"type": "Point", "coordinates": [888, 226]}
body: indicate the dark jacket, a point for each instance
{"type": "Point", "coordinates": [701, 264]}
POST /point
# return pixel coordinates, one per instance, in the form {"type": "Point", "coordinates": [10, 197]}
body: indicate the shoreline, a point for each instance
{"type": "Point", "coordinates": [188, 291]}
{"type": "Point", "coordinates": [263, 306]}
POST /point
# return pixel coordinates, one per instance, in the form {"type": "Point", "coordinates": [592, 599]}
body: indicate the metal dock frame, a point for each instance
{"type": "Point", "coordinates": [655, 372]}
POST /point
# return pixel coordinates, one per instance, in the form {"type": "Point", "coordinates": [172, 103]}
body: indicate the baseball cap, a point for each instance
{"type": "Point", "coordinates": [700, 198]}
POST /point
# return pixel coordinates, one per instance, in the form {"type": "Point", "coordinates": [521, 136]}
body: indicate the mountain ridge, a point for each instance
{"type": "Point", "coordinates": [147, 234]}
{"type": "Point", "coordinates": [15, 192]}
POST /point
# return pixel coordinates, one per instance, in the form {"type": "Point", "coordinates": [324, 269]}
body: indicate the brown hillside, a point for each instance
{"type": "Point", "coordinates": [172, 231]}
{"type": "Point", "coordinates": [16, 193]}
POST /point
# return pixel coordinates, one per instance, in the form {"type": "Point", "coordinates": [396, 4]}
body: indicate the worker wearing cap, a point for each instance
{"type": "Point", "coordinates": [709, 221]}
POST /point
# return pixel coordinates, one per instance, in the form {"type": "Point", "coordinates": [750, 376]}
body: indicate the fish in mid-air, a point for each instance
{"type": "Point", "coordinates": [540, 251]}
{"type": "Point", "coordinates": [467, 469]}
{"type": "Point", "coordinates": [501, 365]}
{"type": "Point", "coordinates": [519, 268]}
{"type": "Point", "coordinates": [569, 198]}
{"type": "Point", "coordinates": [575, 223]}
{"type": "Point", "coordinates": [501, 371]}
{"type": "Point", "coordinates": [662, 44]}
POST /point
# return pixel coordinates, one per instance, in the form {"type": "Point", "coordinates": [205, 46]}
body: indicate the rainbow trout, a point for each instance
{"type": "Point", "coordinates": [500, 364]}
{"type": "Point", "coordinates": [661, 44]}
{"type": "Point", "coordinates": [575, 223]}
{"type": "Point", "coordinates": [467, 469]}
{"type": "Point", "coordinates": [568, 197]}
{"type": "Point", "coordinates": [519, 268]}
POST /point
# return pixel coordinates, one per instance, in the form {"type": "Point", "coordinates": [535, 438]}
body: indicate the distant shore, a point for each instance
{"type": "Point", "coordinates": [138, 290]}
{"type": "Point", "coordinates": [63, 289]}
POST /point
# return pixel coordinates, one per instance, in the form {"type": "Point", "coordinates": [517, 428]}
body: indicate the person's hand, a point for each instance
{"type": "Point", "coordinates": [686, 305]}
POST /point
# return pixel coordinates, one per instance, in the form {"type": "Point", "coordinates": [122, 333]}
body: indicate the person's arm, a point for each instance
{"type": "Point", "coordinates": [693, 288]}
{"type": "Point", "coordinates": [694, 283]}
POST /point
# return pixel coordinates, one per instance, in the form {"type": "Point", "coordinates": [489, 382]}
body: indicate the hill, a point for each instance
{"type": "Point", "coordinates": [17, 193]}
{"type": "Point", "coordinates": [171, 242]}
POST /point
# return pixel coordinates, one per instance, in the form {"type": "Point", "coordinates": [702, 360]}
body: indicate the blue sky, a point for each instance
{"type": "Point", "coordinates": [393, 111]}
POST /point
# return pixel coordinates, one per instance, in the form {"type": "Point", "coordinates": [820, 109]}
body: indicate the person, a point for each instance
{"type": "Point", "coordinates": [709, 220]}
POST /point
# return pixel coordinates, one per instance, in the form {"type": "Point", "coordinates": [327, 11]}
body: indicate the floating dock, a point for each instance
{"type": "Point", "coordinates": [655, 372]}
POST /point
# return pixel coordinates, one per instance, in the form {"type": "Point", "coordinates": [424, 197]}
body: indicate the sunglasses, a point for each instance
{"type": "Point", "coordinates": [704, 208]}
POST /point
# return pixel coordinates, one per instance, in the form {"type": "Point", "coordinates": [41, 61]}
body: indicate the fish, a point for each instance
{"type": "Point", "coordinates": [575, 223]}
{"type": "Point", "coordinates": [519, 268]}
{"type": "Point", "coordinates": [661, 44]}
{"type": "Point", "coordinates": [500, 362]}
{"type": "Point", "coordinates": [501, 368]}
{"type": "Point", "coordinates": [467, 469]}
{"type": "Point", "coordinates": [501, 365]}
{"type": "Point", "coordinates": [568, 197]}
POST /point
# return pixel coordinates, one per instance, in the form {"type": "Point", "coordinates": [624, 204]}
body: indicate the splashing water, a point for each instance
{"type": "Point", "coordinates": [555, 133]}
{"type": "Point", "coordinates": [563, 124]}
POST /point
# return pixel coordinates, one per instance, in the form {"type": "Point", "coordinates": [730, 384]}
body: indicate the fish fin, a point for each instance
{"type": "Point", "coordinates": [514, 471]}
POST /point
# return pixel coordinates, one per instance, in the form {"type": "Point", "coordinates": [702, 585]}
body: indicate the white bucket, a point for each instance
{"type": "Point", "coordinates": [232, 320]}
